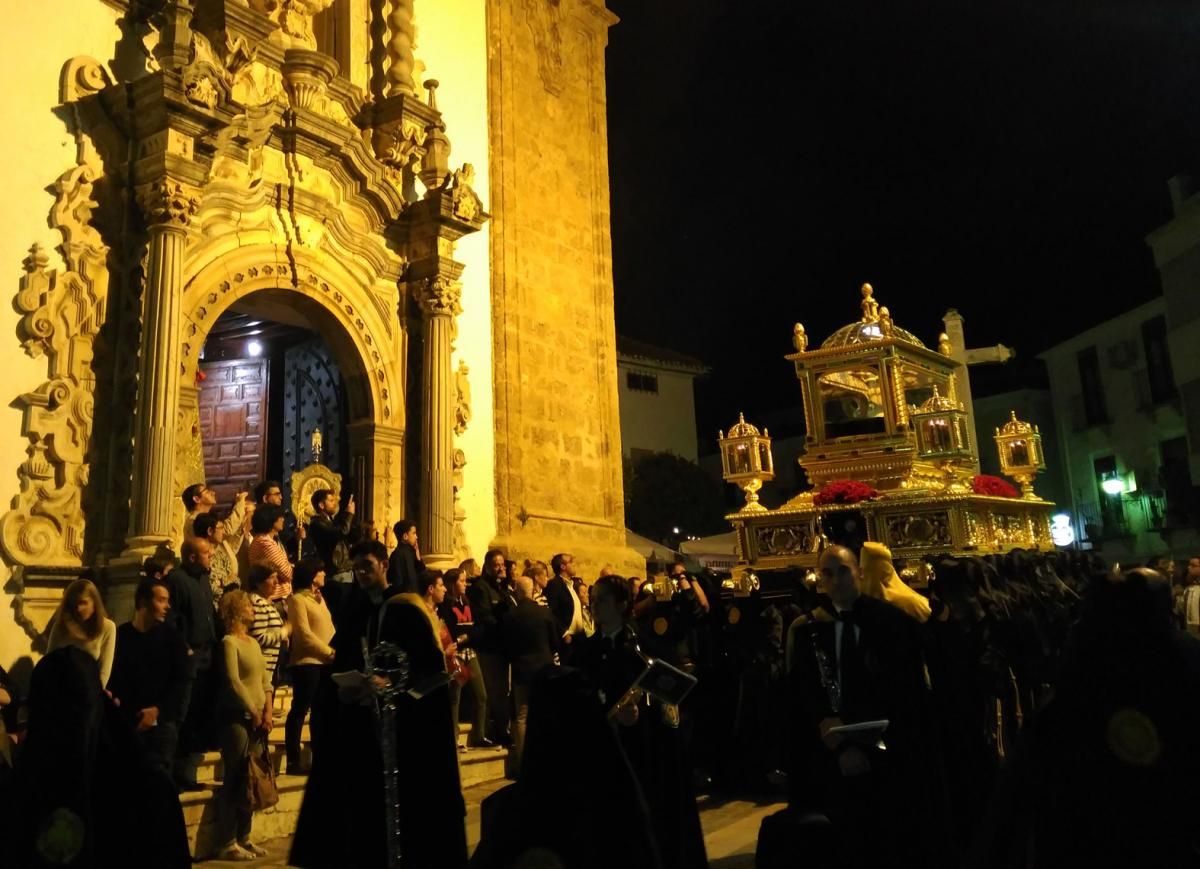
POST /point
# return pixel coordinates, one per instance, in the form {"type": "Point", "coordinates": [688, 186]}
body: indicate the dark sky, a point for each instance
{"type": "Point", "coordinates": [999, 156]}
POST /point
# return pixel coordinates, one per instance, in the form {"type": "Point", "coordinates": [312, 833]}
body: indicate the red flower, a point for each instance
{"type": "Point", "coordinates": [200, 377]}
{"type": "Point", "coordinates": [844, 492]}
{"type": "Point", "coordinates": [986, 484]}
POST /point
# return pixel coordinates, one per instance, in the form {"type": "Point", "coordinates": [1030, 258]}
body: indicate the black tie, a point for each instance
{"type": "Point", "coordinates": [848, 658]}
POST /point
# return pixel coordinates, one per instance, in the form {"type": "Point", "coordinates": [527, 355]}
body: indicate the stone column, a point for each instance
{"type": "Point", "coordinates": [168, 208]}
{"type": "Point", "coordinates": [439, 300]}
{"type": "Point", "coordinates": [401, 38]}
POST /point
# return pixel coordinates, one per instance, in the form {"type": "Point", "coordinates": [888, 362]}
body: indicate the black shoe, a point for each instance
{"type": "Point", "coordinates": [482, 743]}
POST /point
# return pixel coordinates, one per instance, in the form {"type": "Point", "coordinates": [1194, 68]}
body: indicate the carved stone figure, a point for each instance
{"type": "Point", "coordinates": [462, 400]}
{"type": "Point", "coordinates": [544, 18]}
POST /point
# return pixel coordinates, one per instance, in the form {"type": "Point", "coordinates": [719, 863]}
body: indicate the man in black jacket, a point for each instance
{"type": "Point", "coordinates": [405, 566]}
{"type": "Point", "coordinates": [488, 605]}
{"type": "Point", "coordinates": [149, 672]}
{"type": "Point", "coordinates": [192, 616]}
{"type": "Point", "coordinates": [332, 532]}
{"type": "Point", "coordinates": [530, 640]}
{"type": "Point", "coordinates": [563, 601]}
{"type": "Point", "coordinates": [863, 665]}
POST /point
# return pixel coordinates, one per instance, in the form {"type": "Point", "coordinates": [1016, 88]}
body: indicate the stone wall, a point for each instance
{"type": "Point", "coordinates": [558, 450]}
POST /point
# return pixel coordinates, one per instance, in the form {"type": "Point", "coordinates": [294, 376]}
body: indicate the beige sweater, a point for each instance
{"type": "Point", "coordinates": [247, 671]}
{"type": "Point", "coordinates": [101, 648]}
{"type": "Point", "coordinates": [312, 629]}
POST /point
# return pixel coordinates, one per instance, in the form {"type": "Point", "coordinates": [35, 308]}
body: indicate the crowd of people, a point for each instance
{"type": "Point", "coordinates": [939, 719]}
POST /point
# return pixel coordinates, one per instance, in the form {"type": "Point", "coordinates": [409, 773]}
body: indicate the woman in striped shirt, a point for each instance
{"type": "Point", "coordinates": [267, 551]}
{"type": "Point", "coordinates": [268, 628]}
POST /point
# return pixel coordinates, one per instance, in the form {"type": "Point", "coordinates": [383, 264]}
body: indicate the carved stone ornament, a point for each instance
{"type": "Point", "coordinates": [293, 18]}
{"type": "Point", "coordinates": [168, 202]}
{"type": "Point", "coordinates": [439, 297]}
{"type": "Point", "coordinates": [465, 202]}
{"type": "Point", "coordinates": [462, 398]}
{"type": "Point", "coordinates": [460, 547]}
{"type": "Point", "coordinates": [62, 312]}
{"type": "Point", "coordinates": [544, 19]}
{"type": "Point", "coordinates": [62, 315]}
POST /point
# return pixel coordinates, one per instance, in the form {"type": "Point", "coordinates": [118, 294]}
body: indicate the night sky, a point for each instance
{"type": "Point", "coordinates": [1003, 157]}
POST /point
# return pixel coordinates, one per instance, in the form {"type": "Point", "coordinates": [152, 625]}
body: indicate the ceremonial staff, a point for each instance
{"type": "Point", "coordinates": [387, 667]}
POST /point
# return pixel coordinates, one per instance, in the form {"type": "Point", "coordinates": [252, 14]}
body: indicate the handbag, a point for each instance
{"type": "Point", "coordinates": [261, 792]}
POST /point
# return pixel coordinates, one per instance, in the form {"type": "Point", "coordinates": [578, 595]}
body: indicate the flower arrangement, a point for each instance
{"type": "Point", "coordinates": [986, 484]}
{"type": "Point", "coordinates": [844, 492]}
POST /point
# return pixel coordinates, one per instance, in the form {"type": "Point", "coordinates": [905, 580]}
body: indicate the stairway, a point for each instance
{"type": "Point", "coordinates": [476, 766]}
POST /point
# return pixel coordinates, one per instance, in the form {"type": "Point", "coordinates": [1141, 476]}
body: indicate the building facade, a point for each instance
{"type": "Point", "coordinates": [1122, 430]}
{"type": "Point", "coordinates": [657, 396]}
{"type": "Point", "coordinates": [313, 164]}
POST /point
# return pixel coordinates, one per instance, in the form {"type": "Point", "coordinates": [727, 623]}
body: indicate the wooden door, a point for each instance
{"type": "Point", "coordinates": [233, 425]}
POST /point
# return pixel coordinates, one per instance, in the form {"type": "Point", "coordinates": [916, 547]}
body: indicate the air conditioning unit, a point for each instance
{"type": "Point", "coordinates": [1122, 355]}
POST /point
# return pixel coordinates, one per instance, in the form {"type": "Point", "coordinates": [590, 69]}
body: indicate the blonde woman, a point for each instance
{"type": "Point", "coordinates": [247, 725]}
{"type": "Point", "coordinates": [82, 622]}
{"type": "Point", "coordinates": [540, 574]}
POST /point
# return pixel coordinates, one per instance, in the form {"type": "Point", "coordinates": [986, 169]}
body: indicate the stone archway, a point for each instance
{"type": "Point", "coordinates": [366, 339]}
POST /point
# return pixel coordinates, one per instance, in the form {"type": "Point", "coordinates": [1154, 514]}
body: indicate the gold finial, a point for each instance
{"type": "Point", "coordinates": [316, 445]}
{"type": "Point", "coordinates": [870, 307]}
{"type": "Point", "coordinates": [944, 345]}
{"type": "Point", "coordinates": [886, 325]}
{"type": "Point", "coordinates": [799, 338]}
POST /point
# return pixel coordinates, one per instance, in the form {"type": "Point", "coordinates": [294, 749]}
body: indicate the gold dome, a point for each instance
{"type": "Point", "coordinates": [743, 429]}
{"type": "Point", "coordinates": [1015, 426]}
{"type": "Point", "coordinates": [875, 325]}
{"type": "Point", "coordinates": [938, 403]}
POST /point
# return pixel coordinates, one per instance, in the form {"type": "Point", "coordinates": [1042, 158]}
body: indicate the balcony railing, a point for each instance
{"type": "Point", "coordinates": [1128, 514]}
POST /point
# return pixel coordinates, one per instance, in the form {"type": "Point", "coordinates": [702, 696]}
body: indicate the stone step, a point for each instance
{"type": "Point", "coordinates": [200, 812]}
{"type": "Point", "coordinates": [478, 766]}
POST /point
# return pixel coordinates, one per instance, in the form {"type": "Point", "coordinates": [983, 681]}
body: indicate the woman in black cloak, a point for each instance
{"type": "Point", "coordinates": [586, 815]}
{"type": "Point", "coordinates": [89, 798]}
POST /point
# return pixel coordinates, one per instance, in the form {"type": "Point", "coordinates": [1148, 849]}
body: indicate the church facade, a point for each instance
{"type": "Point", "coordinates": [421, 185]}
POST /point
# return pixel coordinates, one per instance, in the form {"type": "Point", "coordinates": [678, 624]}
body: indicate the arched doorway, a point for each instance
{"type": "Point", "coordinates": [309, 302]}
{"type": "Point", "coordinates": [267, 380]}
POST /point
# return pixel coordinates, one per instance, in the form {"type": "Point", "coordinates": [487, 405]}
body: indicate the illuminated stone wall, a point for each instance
{"type": "Point", "coordinates": [558, 443]}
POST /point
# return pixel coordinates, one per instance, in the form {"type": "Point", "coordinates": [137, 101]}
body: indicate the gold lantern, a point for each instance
{"type": "Point", "coordinates": [746, 460]}
{"type": "Point", "coordinates": [1021, 456]}
{"type": "Point", "coordinates": [941, 426]}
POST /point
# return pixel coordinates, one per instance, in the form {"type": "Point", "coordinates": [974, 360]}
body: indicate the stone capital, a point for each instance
{"type": "Point", "coordinates": [438, 296]}
{"type": "Point", "coordinates": [168, 204]}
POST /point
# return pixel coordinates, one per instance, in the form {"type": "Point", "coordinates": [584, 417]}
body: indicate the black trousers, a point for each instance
{"type": "Point", "coordinates": [495, 679]}
{"type": "Point", "coordinates": [306, 678]}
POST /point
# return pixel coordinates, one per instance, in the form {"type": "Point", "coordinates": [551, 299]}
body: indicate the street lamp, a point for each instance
{"type": "Point", "coordinates": [1112, 485]}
